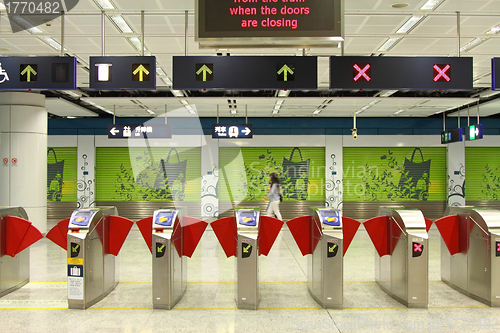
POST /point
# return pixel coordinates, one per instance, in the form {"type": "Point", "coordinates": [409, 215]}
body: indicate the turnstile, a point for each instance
{"type": "Point", "coordinates": [169, 265]}
{"type": "Point", "coordinates": [470, 252]}
{"type": "Point", "coordinates": [247, 258]}
{"type": "Point", "coordinates": [402, 259]}
{"type": "Point", "coordinates": [92, 269]}
{"type": "Point", "coordinates": [16, 235]}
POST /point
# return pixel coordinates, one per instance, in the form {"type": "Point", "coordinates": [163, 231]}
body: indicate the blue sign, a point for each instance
{"type": "Point", "coordinates": [37, 73]}
{"type": "Point", "coordinates": [247, 217]}
{"type": "Point", "coordinates": [232, 131]}
{"type": "Point", "coordinates": [495, 74]}
{"type": "Point", "coordinates": [117, 73]}
{"type": "Point", "coordinates": [75, 270]}
{"type": "Point", "coordinates": [330, 217]}
{"type": "Point", "coordinates": [139, 131]}
{"type": "Point", "coordinates": [453, 135]}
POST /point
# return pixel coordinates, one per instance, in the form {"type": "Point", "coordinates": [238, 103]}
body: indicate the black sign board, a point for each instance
{"type": "Point", "coordinates": [139, 131]}
{"type": "Point", "coordinates": [411, 73]}
{"type": "Point", "coordinates": [453, 135]}
{"type": "Point", "coordinates": [117, 73]}
{"type": "Point", "coordinates": [222, 19]}
{"type": "Point", "coordinates": [418, 249]}
{"type": "Point", "coordinates": [37, 73]}
{"type": "Point", "coordinates": [474, 132]}
{"type": "Point", "coordinates": [495, 74]}
{"type": "Point", "coordinates": [245, 73]}
{"type": "Point", "coordinates": [232, 131]}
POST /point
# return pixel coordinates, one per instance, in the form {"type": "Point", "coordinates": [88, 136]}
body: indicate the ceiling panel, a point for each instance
{"type": "Point", "coordinates": [63, 108]}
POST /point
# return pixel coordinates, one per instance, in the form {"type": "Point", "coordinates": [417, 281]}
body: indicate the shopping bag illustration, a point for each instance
{"type": "Point", "coordinates": [296, 177]}
{"type": "Point", "coordinates": [414, 181]}
{"type": "Point", "coordinates": [55, 173]}
{"type": "Point", "coordinates": [175, 173]}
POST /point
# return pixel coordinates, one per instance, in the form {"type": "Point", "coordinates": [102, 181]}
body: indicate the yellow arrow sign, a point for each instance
{"type": "Point", "coordinates": [285, 70]}
{"type": "Point", "coordinates": [245, 249]}
{"type": "Point", "coordinates": [331, 249]}
{"type": "Point", "coordinates": [141, 70]}
{"type": "Point", "coordinates": [205, 70]}
{"type": "Point", "coordinates": [28, 70]}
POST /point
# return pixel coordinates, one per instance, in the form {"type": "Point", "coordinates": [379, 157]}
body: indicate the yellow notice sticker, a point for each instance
{"type": "Point", "coordinates": [75, 261]}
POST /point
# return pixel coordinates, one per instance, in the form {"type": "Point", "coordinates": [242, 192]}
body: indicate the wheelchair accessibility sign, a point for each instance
{"type": "Point", "coordinates": [3, 75]}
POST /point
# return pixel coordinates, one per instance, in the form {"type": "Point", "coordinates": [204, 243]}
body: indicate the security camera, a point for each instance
{"type": "Point", "coordinates": [354, 133]}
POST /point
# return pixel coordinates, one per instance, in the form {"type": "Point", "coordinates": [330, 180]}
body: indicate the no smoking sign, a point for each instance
{"type": "Point", "coordinates": [14, 161]}
{"type": "Point", "coordinates": [5, 160]}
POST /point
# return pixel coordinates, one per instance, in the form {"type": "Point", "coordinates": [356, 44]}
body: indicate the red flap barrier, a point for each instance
{"type": "Point", "coordinates": [146, 228]}
{"type": "Point", "coordinates": [119, 228]}
{"type": "Point", "coordinates": [428, 224]}
{"type": "Point", "coordinates": [58, 234]}
{"type": "Point", "coordinates": [448, 228]}
{"type": "Point", "coordinates": [378, 230]}
{"type": "Point", "coordinates": [349, 229]}
{"type": "Point", "coordinates": [20, 234]}
{"type": "Point", "coordinates": [193, 229]}
{"type": "Point", "coordinates": [227, 234]}
{"type": "Point", "coordinates": [300, 227]}
{"type": "Point", "coordinates": [269, 229]}
{"type": "Point", "coordinates": [176, 237]}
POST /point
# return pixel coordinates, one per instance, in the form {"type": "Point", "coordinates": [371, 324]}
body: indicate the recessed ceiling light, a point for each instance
{"type": "Point", "coordinates": [410, 24]}
{"type": "Point", "coordinates": [388, 44]}
{"type": "Point", "coordinates": [431, 4]}
{"type": "Point", "coordinates": [400, 5]}
{"type": "Point", "coordinates": [4, 49]}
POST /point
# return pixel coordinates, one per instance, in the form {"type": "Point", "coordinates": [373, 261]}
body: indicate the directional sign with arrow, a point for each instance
{"type": "Point", "coordinates": [286, 72]}
{"type": "Point", "coordinates": [245, 72]}
{"type": "Point", "coordinates": [28, 72]}
{"type": "Point", "coordinates": [140, 72]}
{"type": "Point", "coordinates": [204, 72]}
{"type": "Point", "coordinates": [130, 72]}
{"type": "Point", "coordinates": [231, 131]}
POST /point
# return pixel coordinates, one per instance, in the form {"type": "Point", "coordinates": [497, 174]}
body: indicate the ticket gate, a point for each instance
{"type": "Point", "coordinates": [470, 252]}
{"type": "Point", "coordinates": [246, 236]}
{"type": "Point", "coordinates": [16, 235]}
{"type": "Point", "coordinates": [171, 236]}
{"type": "Point", "coordinates": [325, 235]}
{"type": "Point", "coordinates": [402, 259]}
{"type": "Point", "coordinates": [94, 237]}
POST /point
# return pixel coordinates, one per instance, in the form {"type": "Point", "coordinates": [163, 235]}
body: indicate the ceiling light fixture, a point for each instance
{"type": "Point", "coordinates": [283, 93]}
{"type": "Point", "coordinates": [104, 4]}
{"type": "Point", "coordinates": [431, 4]}
{"type": "Point", "coordinates": [70, 93]}
{"type": "Point", "coordinates": [178, 93]}
{"type": "Point", "coordinates": [51, 42]}
{"type": "Point", "coordinates": [386, 93]}
{"type": "Point", "coordinates": [183, 101]}
{"type": "Point", "coordinates": [367, 106]}
{"type": "Point", "coordinates": [121, 24]}
{"type": "Point", "coordinates": [399, 111]}
{"type": "Point", "coordinates": [316, 112]}
{"type": "Point", "coordinates": [160, 71]}
{"type": "Point", "coordinates": [388, 44]}
{"type": "Point", "coordinates": [167, 81]}
{"type": "Point", "coordinates": [410, 24]}
{"type": "Point", "coordinates": [25, 25]}
{"type": "Point", "coordinates": [494, 30]}
{"type": "Point", "coordinates": [136, 42]}
{"type": "Point", "coordinates": [472, 44]}
{"type": "Point", "coordinates": [150, 111]}
{"type": "Point", "coordinates": [190, 109]}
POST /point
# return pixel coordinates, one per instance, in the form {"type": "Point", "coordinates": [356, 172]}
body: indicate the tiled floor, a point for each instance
{"type": "Point", "coordinates": [209, 306]}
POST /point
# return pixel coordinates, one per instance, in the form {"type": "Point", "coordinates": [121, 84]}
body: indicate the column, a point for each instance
{"type": "Point", "coordinates": [23, 152]}
{"type": "Point", "coordinates": [455, 166]}
{"type": "Point", "coordinates": [333, 171]}
{"type": "Point", "coordinates": [86, 171]}
{"type": "Point", "coordinates": [209, 178]}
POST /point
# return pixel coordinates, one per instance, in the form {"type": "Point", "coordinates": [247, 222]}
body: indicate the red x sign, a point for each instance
{"type": "Point", "coordinates": [498, 246]}
{"type": "Point", "coordinates": [362, 72]}
{"type": "Point", "coordinates": [417, 247]}
{"type": "Point", "coordinates": [5, 160]}
{"type": "Point", "coordinates": [440, 73]}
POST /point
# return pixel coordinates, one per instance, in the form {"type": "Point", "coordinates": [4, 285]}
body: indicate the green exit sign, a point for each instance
{"type": "Point", "coordinates": [474, 132]}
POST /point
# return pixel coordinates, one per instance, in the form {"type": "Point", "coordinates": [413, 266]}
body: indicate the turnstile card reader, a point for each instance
{"type": "Point", "coordinates": [470, 252]}
{"type": "Point", "coordinates": [171, 236]}
{"type": "Point", "coordinates": [402, 259]}
{"type": "Point", "coordinates": [246, 236]}
{"type": "Point", "coordinates": [16, 235]}
{"type": "Point", "coordinates": [94, 237]}
{"type": "Point", "coordinates": [325, 236]}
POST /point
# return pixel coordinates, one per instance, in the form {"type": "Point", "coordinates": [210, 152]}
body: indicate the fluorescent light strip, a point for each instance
{"type": "Point", "coordinates": [177, 93]}
{"type": "Point", "coordinates": [136, 42]}
{"type": "Point", "coordinates": [167, 81]}
{"type": "Point", "coordinates": [472, 44]}
{"type": "Point", "coordinates": [399, 111]}
{"type": "Point", "coordinates": [51, 42]}
{"type": "Point", "coordinates": [104, 4]}
{"type": "Point", "coordinates": [316, 112]}
{"type": "Point", "coordinates": [121, 24]}
{"type": "Point", "coordinates": [280, 102]}
{"type": "Point", "coordinates": [388, 44]}
{"type": "Point", "coordinates": [2, 6]}
{"type": "Point", "coordinates": [494, 30]}
{"type": "Point", "coordinates": [431, 4]}
{"type": "Point", "coordinates": [387, 93]}
{"type": "Point", "coordinates": [150, 112]}
{"type": "Point", "coordinates": [283, 93]}
{"type": "Point", "coordinates": [183, 101]}
{"type": "Point", "coordinates": [410, 24]}
{"type": "Point", "coordinates": [160, 71]}
{"type": "Point", "coordinates": [190, 109]}
{"type": "Point", "coordinates": [233, 112]}
{"type": "Point", "coordinates": [25, 25]}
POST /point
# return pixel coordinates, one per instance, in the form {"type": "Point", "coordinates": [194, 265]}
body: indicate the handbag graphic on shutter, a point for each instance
{"type": "Point", "coordinates": [55, 173]}
{"type": "Point", "coordinates": [175, 173]}
{"type": "Point", "coordinates": [296, 176]}
{"type": "Point", "coordinates": [414, 181]}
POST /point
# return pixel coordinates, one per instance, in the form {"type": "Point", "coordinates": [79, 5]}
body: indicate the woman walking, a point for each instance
{"type": "Point", "coordinates": [273, 208]}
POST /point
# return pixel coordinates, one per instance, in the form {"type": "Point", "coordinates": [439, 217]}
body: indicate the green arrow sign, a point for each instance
{"type": "Point", "coordinates": [28, 71]}
{"type": "Point", "coordinates": [204, 69]}
{"type": "Point", "coordinates": [285, 70]}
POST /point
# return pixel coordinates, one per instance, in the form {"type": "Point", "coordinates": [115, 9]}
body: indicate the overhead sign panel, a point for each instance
{"type": "Point", "coordinates": [139, 131]}
{"type": "Point", "coordinates": [411, 73]}
{"type": "Point", "coordinates": [117, 73]}
{"type": "Point", "coordinates": [37, 73]}
{"type": "Point", "coordinates": [474, 132]}
{"type": "Point", "coordinates": [233, 21]}
{"type": "Point", "coordinates": [495, 74]}
{"type": "Point", "coordinates": [232, 131]}
{"type": "Point", "coordinates": [453, 135]}
{"type": "Point", "coordinates": [245, 73]}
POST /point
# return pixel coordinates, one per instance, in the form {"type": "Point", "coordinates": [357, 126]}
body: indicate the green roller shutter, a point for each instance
{"type": "Point", "coordinates": [394, 174]}
{"type": "Point", "coordinates": [482, 173]}
{"type": "Point", "coordinates": [244, 172]}
{"type": "Point", "coordinates": [148, 174]}
{"type": "Point", "coordinates": [61, 173]}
